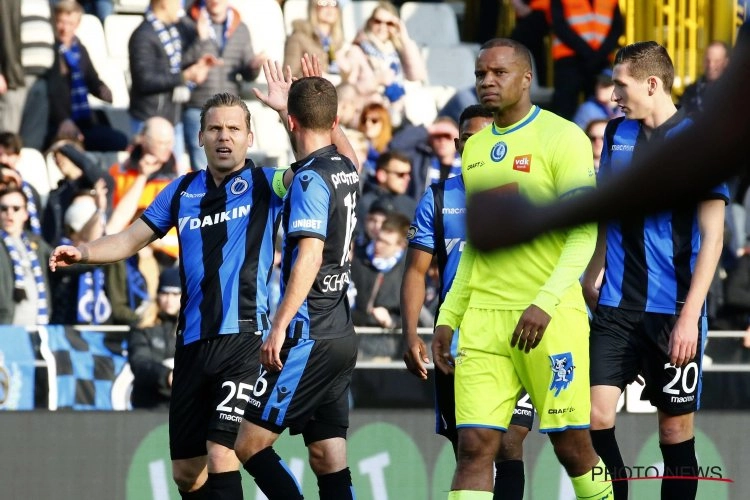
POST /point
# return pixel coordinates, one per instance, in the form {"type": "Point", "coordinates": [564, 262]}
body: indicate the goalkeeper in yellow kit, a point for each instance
{"type": "Point", "coordinates": [521, 310]}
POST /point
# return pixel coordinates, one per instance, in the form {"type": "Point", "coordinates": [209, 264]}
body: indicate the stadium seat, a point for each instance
{"type": "Point", "coordinates": [117, 31]}
{"type": "Point", "coordinates": [431, 24]}
{"type": "Point", "coordinates": [451, 66]}
{"type": "Point", "coordinates": [131, 6]}
{"type": "Point", "coordinates": [293, 10]}
{"type": "Point", "coordinates": [419, 104]}
{"type": "Point", "coordinates": [33, 169]}
{"type": "Point", "coordinates": [91, 34]}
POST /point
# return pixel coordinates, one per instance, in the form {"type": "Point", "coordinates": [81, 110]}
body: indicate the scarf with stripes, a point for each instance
{"type": "Point", "coordinates": [79, 102]}
{"type": "Point", "coordinates": [19, 283]}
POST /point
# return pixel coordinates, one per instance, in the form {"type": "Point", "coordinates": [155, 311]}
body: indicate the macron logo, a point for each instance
{"type": "Point", "coordinates": [213, 219]}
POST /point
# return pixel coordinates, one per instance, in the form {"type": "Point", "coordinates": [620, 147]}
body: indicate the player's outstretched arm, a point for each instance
{"type": "Point", "coordinates": [104, 250]}
{"type": "Point", "coordinates": [412, 300]}
{"type": "Point", "coordinates": [675, 173]}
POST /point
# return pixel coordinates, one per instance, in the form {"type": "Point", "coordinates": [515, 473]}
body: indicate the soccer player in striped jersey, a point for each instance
{"type": "Point", "coordinates": [650, 311]}
{"type": "Point", "coordinates": [521, 311]}
{"type": "Point", "coordinates": [310, 353]}
{"type": "Point", "coordinates": [439, 230]}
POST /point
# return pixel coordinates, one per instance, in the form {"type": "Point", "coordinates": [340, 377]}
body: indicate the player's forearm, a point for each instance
{"type": "Point", "coordinates": [457, 300]}
{"type": "Point", "coordinates": [298, 286]}
{"type": "Point", "coordinates": [412, 300]}
{"type": "Point", "coordinates": [575, 256]}
{"type": "Point", "coordinates": [712, 243]}
{"type": "Point", "coordinates": [116, 247]}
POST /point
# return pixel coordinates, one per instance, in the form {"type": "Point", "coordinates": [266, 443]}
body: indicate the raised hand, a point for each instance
{"type": "Point", "coordinates": [311, 65]}
{"type": "Point", "coordinates": [279, 82]}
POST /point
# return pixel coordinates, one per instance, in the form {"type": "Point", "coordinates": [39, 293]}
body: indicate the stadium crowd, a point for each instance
{"type": "Point", "coordinates": [69, 175]}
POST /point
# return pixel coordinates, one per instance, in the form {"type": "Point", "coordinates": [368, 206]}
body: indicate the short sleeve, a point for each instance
{"type": "Point", "coordinates": [310, 200]}
{"type": "Point", "coordinates": [421, 234]}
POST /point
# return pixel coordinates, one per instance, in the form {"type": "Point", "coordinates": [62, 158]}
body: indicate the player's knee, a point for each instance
{"type": "Point", "coordinates": [185, 479]}
{"type": "Point", "coordinates": [675, 430]}
{"type": "Point", "coordinates": [602, 416]}
{"type": "Point", "coordinates": [477, 445]}
{"type": "Point", "coordinates": [511, 446]}
{"type": "Point", "coordinates": [574, 451]}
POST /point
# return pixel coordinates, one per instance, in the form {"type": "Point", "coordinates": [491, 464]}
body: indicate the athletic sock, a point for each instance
{"type": "Point", "coordinates": [469, 495]}
{"type": "Point", "coordinates": [509, 479]}
{"type": "Point", "coordinates": [679, 460]}
{"type": "Point", "coordinates": [587, 487]}
{"type": "Point", "coordinates": [605, 445]}
{"type": "Point", "coordinates": [202, 493]}
{"type": "Point", "coordinates": [225, 485]}
{"type": "Point", "coordinates": [336, 486]}
{"type": "Point", "coordinates": [272, 476]}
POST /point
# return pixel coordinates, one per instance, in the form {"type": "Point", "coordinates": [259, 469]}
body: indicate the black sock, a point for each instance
{"type": "Point", "coordinates": [225, 485]}
{"type": "Point", "coordinates": [509, 480]}
{"type": "Point", "coordinates": [336, 485]}
{"type": "Point", "coordinates": [605, 445]}
{"type": "Point", "coordinates": [202, 493]}
{"type": "Point", "coordinates": [272, 476]}
{"type": "Point", "coordinates": [679, 460]}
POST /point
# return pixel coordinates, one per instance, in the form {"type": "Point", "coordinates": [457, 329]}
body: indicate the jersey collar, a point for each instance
{"type": "Point", "coordinates": [524, 121]}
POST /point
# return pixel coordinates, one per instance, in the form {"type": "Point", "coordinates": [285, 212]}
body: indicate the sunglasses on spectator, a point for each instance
{"type": "Point", "coordinates": [375, 20]}
{"type": "Point", "coordinates": [11, 208]}
{"type": "Point", "coordinates": [375, 120]}
{"type": "Point", "coordinates": [326, 3]}
{"type": "Point", "coordinates": [401, 175]}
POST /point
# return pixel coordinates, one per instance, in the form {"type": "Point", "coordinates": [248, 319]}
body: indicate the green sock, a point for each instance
{"type": "Point", "coordinates": [588, 488]}
{"type": "Point", "coordinates": [470, 495]}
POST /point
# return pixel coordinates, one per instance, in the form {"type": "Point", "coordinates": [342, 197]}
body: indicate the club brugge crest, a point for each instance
{"type": "Point", "coordinates": [499, 151]}
{"type": "Point", "coordinates": [239, 185]}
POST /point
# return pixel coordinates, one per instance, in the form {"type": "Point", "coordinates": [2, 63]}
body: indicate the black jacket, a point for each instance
{"type": "Point", "coordinates": [152, 82]}
{"type": "Point", "coordinates": [147, 350]}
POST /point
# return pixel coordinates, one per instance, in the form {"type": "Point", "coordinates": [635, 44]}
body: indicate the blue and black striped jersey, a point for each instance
{"type": "Point", "coordinates": [226, 236]}
{"type": "Point", "coordinates": [649, 260]}
{"type": "Point", "coordinates": [321, 203]}
{"type": "Point", "coordinates": [439, 227]}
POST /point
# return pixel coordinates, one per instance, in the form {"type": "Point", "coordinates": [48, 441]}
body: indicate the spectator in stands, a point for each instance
{"type": "Point", "coordinates": [70, 80]}
{"type": "Point", "coordinates": [715, 61]}
{"type": "Point", "coordinates": [392, 175]}
{"type": "Point", "coordinates": [222, 34]}
{"type": "Point", "coordinates": [376, 214]}
{"type": "Point", "coordinates": [79, 293]}
{"type": "Point", "coordinates": [462, 99]}
{"type": "Point", "coordinates": [160, 82]}
{"type": "Point", "coordinates": [320, 35]}
{"type": "Point", "coordinates": [151, 350]}
{"type": "Point", "coordinates": [377, 270]}
{"type": "Point", "coordinates": [375, 123]}
{"type": "Point", "coordinates": [99, 8]}
{"type": "Point", "coordinates": [10, 155]}
{"type": "Point", "coordinates": [361, 147]}
{"type": "Point", "coordinates": [599, 106]}
{"type": "Point", "coordinates": [432, 151]}
{"type": "Point", "coordinates": [585, 35]}
{"type": "Point", "coordinates": [137, 181]}
{"type": "Point", "coordinates": [595, 132]}
{"type": "Point", "coordinates": [26, 55]}
{"type": "Point", "coordinates": [351, 103]}
{"type": "Point", "coordinates": [9, 177]}
{"type": "Point", "coordinates": [24, 284]}
{"type": "Point", "coordinates": [383, 57]}
{"type": "Point", "coordinates": [79, 174]}
{"type": "Point", "coordinates": [533, 18]}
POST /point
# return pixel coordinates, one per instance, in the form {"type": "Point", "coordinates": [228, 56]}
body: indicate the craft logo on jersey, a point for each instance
{"type": "Point", "coordinates": [522, 163]}
{"type": "Point", "coordinates": [305, 181]}
{"type": "Point", "coordinates": [411, 233]}
{"type": "Point", "coordinates": [562, 371]}
{"type": "Point", "coordinates": [499, 151]}
{"type": "Point", "coordinates": [239, 186]}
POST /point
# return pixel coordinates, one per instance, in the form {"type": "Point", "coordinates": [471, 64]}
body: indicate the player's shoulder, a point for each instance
{"type": "Point", "coordinates": [553, 123]}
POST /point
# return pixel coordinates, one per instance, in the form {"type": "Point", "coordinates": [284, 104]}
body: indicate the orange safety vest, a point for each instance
{"type": "Point", "coordinates": [123, 179]}
{"type": "Point", "coordinates": [591, 22]}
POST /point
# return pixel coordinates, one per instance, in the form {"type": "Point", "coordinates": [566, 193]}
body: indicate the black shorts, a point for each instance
{"type": "Point", "coordinates": [212, 381]}
{"type": "Point", "coordinates": [310, 395]}
{"type": "Point", "coordinates": [445, 408]}
{"type": "Point", "coordinates": [625, 343]}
